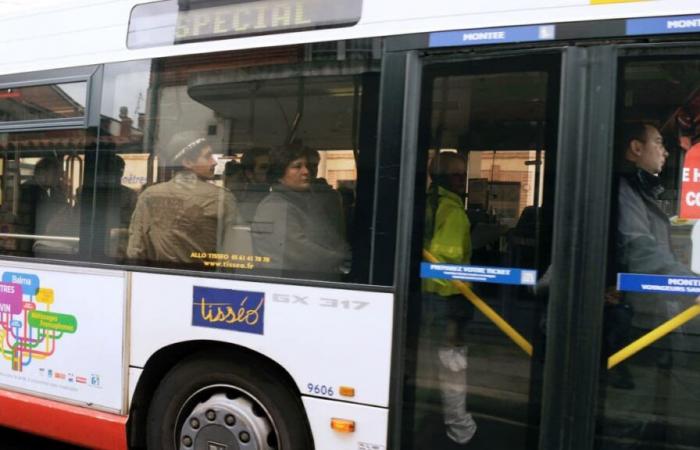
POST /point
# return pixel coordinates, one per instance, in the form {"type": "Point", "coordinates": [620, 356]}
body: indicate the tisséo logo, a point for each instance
{"type": "Point", "coordinates": [228, 309]}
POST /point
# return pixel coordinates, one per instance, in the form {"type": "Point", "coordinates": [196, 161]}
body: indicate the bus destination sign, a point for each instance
{"type": "Point", "coordinates": [170, 22]}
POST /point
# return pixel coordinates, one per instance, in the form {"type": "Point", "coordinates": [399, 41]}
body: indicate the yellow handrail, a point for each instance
{"type": "Point", "coordinates": [653, 336]}
{"type": "Point", "coordinates": [615, 359]}
{"type": "Point", "coordinates": [486, 310]}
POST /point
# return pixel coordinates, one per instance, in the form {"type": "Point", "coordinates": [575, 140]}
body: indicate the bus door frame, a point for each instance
{"type": "Point", "coordinates": [586, 112]}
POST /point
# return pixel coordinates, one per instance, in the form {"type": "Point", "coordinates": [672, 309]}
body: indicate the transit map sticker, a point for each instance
{"type": "Point", "coordinates": [30, 330]}
{"type": "Point", "coordinates": [28, 282]}
{"type": "Point", "coordinates": [661, 284]}
{"type": "Point", "coordinates": [484, 36]}
{"type": "Point", "coordinates": [483, 274]}
{"type": "Point", "coordinates": [62, 333]}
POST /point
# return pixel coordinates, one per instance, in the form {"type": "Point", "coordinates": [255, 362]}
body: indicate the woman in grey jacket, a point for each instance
{"type": "Point", "coordinates": [297, 238]}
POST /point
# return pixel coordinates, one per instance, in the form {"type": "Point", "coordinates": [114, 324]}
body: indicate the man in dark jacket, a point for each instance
{"type": "Point", "coordinates": [643, 244]}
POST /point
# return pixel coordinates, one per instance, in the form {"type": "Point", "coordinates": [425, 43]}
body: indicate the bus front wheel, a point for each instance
{"type": "Point", "coordinates": [214, 402]}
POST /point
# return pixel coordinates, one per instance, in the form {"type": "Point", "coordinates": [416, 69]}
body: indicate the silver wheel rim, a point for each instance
{"type": "Point", "coordinates": [224, 417]}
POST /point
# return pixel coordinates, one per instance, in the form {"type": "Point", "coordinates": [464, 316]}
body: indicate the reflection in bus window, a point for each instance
{"type": "Point", "coordinates": [50, 101]}
{"type": "Point", "coordinates": [245, 107]}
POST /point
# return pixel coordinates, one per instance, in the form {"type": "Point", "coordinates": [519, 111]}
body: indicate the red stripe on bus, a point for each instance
{"type": "Point", "coordinates": [68, 423]}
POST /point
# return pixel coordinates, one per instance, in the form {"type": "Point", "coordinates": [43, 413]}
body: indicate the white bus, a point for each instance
{"type": "Point", "coordinates": [218, 229]}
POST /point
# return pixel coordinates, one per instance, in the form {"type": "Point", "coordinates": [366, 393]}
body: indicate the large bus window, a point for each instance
{"type": "Point", "coordinates": [41, 187]}
{"type": "Point", "coordinates": [253, 162]}
{"type": "Point", "coordinates": [486, 155]}
{"type": "Point", "coordinates": [650, 388]}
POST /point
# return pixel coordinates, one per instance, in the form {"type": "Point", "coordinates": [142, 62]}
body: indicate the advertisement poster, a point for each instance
{"type": "Point", "coordinates": [62, 332]}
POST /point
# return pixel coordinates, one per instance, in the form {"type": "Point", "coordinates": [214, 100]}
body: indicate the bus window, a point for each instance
{"type": "Point", "coordinates": [212, 144]}
{"type": "Point", "coordinates": [43, 102]}
{"type": "Point", "coordinates": [487, 151]}
{"type": "Point", "coordinates": [42, 178]}
{"type": "Point", "coordinates": [650, 395]}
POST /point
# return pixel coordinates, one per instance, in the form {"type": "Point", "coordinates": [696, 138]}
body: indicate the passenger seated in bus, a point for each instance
{"type": "Point", "coordinates": [446, 312]}
{"type": "Point", "coordinates": [326, 202]}
{"type": "Point", "coordinates": [182, 220]}
{"type": "Point", "coordinates": [255, 163]}
{"type": "Point", "coordinates": [43, 202]}
{"type": "Point", "coordinates": [233, 176]}
{"type": "Point", "coordinates": [115, 203]}
{"type": "Point", "coordinates": [285, 227]}
{"type": "Point", "coordinates": [642, 245]}
{"type": "Point", "coordinates": [248, 182]}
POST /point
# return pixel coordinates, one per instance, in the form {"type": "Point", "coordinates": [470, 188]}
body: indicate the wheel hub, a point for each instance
{"type": "Point", "coordinates": [222, 423]}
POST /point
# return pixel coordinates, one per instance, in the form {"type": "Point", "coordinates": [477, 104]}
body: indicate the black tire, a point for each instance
{"type": "Point", "coordinates": [201, 380]}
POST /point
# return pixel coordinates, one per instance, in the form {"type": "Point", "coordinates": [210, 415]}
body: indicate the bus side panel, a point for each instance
{"type": "Point", "coordinates": [371, 425]}
{"type": "Point", "coordinates": [324, 338]}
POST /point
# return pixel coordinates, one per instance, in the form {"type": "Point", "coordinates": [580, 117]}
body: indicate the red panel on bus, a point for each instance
{"type": "Point", "coordinates": [690, 185]}
{"type": "Point", "coordinates": [63, 422]}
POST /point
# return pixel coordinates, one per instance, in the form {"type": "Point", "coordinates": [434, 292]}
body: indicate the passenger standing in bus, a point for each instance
{"type": "Point", "coordinates": [182, 220]}
{"type": "Point", "coordinates": [285, 228]}
{"type": "Point", "coordinates": [643, 244]}
{"type": "Point", "coordinates": [448, 238]}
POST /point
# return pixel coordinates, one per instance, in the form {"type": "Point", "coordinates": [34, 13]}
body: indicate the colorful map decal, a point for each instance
{"type": "Point", "coordinates": [29, 328]}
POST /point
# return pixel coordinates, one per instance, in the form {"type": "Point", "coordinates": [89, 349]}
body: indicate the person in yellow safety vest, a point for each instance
{"type": "Point", "coordinates": [447, 313]}
{"type": "Point", "coordinates": [448, 237]}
